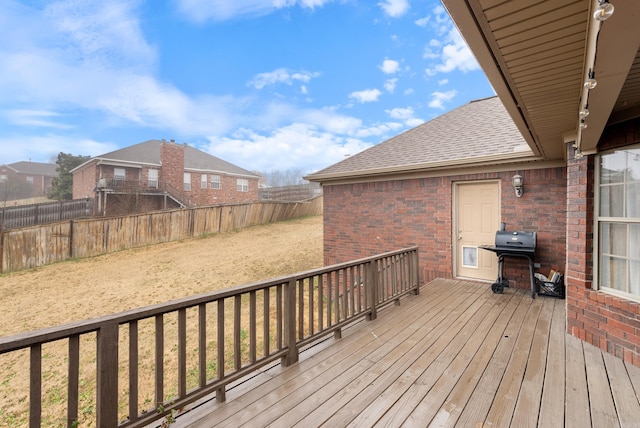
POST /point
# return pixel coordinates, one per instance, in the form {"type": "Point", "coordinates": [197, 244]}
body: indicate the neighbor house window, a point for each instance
{"type": "Point", "coordinates": [187, 181]}
{"type": "Point", "coordinates": [118, 175]}
{"type": "Point", "coordinates": [30, 180]}
{"type": "Point", "coordinates": [215, 181]}
{"type": "Point", "coordinates": [242, 185]}
{"type": "Point", "coordinates": [203, 181]}
{"type": "Point", "coordinates": [618, 222]}
{"type": "Point", "coordinates": [3, 177]}
{"type": "Point", "coordinates": [153, 178]}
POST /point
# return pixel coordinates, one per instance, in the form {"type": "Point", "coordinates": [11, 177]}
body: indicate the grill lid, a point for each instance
{"type": "Point", "coordinates": [524, 241]}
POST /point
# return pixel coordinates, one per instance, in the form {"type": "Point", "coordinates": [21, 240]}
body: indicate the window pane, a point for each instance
{"type": "Point", "coordinates": [634, 277]}
{"type": "Point", "coordinates": [634, 241]}
{"type": "Point", "coordinates": [613, 239]}
{"type": "Point", "coordinates": [612, 167]}
{"type": "Point", "coordinates": [633, 165]}
{"type": "Point", "coordinates": [619, 240]}
{"type": "Point", "coordinates": [613, 273]}
{"type": "Point", "coordinates": [633, 200]}
{"type": "Point", "coordinates": [612, 201]}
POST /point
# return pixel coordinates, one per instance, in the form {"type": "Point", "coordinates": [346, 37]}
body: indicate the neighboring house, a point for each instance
{"type": "Point", "coordinates": [439, 183]}
{"type": "Point", "coordinates": [159, 174]}
{"type": "Point", "coordinates": [26, 179]}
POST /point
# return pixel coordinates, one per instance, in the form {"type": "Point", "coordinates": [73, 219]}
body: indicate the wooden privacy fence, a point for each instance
{"type": "Point", "coordinates": [35, 214]}
{"type": "Point", "coordinates": [189, 349]}
{"type": "Point", "coordinates": [41, 245]}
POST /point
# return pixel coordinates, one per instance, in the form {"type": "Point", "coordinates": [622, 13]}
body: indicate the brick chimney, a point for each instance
{"type": "Point", "coordinates": [172, 160]}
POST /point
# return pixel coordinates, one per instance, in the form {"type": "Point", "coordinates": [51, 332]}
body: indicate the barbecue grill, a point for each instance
{"type": "Point", "coordinates": [513, 244]}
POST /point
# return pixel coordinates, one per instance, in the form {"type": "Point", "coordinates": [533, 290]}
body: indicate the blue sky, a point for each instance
{"type": "Point", "coordinates": [264, 84]}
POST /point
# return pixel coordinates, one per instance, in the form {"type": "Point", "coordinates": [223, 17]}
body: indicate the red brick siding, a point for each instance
{"type": "Point", "coordinates": [84, 181]}
{"type": "Point", "coordinates": [20, 187]}
{"type": "Point", "coordinates": [369, 218]}
{"type": "Point", "coordinates": [172, 160]}
{"type": "Point", "coordinates": [227, 194]}
{"type": "Point", "coordinates": [612, 323]}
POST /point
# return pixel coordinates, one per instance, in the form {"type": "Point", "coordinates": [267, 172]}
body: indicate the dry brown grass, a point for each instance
{"type": "Point", "coordinates": [82, 289]}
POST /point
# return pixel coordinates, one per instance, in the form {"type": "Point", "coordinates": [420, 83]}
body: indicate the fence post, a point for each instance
{"type": "Point", "coordinates": [1, 249]}
{"type": "Point", "coordinates": [372, 287]}
{"type": "Point", "coordinates": [290, 323]}
{"type": "Point", "coordinates": [107, 376]}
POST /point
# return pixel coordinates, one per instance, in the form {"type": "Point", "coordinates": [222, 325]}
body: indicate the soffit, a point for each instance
{"type": "Point", "coordinates": [536, 56]}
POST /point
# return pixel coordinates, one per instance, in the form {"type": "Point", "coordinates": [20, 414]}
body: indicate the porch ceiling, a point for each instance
{"type": "Point", "coordinates": [538, 55]}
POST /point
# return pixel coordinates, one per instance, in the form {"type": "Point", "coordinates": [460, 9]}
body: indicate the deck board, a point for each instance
{"type": "Point", "coordinates": [454, 355]}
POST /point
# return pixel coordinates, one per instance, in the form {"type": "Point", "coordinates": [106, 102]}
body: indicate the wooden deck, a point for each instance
{"type": "Point", "coordinates": [455, 355]}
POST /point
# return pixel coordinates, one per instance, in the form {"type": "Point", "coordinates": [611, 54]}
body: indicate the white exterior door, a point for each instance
{"type": "Point", "coordinates": [477, 220]}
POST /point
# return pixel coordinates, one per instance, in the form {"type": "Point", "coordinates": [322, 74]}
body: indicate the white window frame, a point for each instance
{"type": "Point", "coordinates": [203, 181]}
{"type": "Point", "coordinates": [187, 181]}
{"type": "Point", "coordinates": [29, 179]}
{"type": "Point", "coordinates": [214, 181]}
{"type": "Point", "coordinates": [242, 185]}
{"type": "Point", "coordinates": [3, 178]}
{"type": "Point", "coordinates": [622, 223]}
{"type": "Point", "coordinates": [119, 175]}
{"type": "Point", "coordinates": [153, 179]}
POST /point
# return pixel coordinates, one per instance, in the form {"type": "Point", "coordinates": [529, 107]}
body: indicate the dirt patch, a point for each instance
{"type": "Point", "coordinates": [88, 288]}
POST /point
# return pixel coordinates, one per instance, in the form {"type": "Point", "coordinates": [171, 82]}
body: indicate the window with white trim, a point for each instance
{"type": "Point", "coordinates": [30, 180]}
{"type": "Point", "coordinates": [203, 181]}
{"type": "Point", "coordinates": [242, 185]}
{"type": "Point", "coordinates": [215, 181]}
{"type": "Point", "coordinates": [187, 181]}
{"type": "Point", "coordinates": [153, 178]}
{"type": "Point", "coordinates": [4, 177]}
{"type": "Point", "coordinates": [118, 175]}
{"type": "Point", "coordinates": [618, 222]}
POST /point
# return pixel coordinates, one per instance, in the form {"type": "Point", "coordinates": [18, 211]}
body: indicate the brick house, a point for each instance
{"type": "Point", "coordinates": [26, 179]}
{"type": "Point", "coordinates": [159, 174]}
{"type": "Point", "coordinates": [437, 183]}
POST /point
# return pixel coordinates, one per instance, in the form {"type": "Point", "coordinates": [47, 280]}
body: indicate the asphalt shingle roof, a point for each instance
{"type": "Point", "coordinates": [148, 152]}
{"type": "Point", "coordinates": [35, 168]}
{"type": "Point", "coordinates": [479, 129]}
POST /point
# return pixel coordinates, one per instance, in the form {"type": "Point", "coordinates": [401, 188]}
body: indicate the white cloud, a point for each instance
{"type": "Point", "coordinates": [394, 8]}
{"type": "Point", "coordinates": [390, 84]}
{"type": "Point", "coordinates": [366, 96]}
{"type": "Point", "coordinates": [450, 49]}
{"type": "Point", "coordinates": [439, 98]}
{"type": "Point", "coordinates": [422, 22]}
{"type": "Point", "coordinates": [281, 75]}
{"type": "Point", "coordinates": [443, 82]}
{"type": "Point", "coordinates": [44, 148]}
{"type": "Point", "coordinates": [407, 115]}
{"type": "Point", "coordinates": [36, 118]}
{"type": "Point", "coordinates": [220, 10]}
{"type": "Point", "coordinates": [389, 66]}
{"type": "Point", "coordinates": [296, 145]}
{"type": "Point", "coordinates": [386, 129]}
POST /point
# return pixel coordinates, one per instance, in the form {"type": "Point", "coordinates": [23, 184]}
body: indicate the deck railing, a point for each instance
{"type": "Point", "coordinates": [136, 367]}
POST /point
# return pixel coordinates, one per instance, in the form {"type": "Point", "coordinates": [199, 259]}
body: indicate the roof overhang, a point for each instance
{"type": "Point", "coordinates": [485, 164]}
{"type": "Point", "coordinates": [538, 55]}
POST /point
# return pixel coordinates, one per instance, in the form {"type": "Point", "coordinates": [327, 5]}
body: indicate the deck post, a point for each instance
{"type": "Point", "coordinates": [290, 323]}
{"type": "Point", "coordinates": [107, 376]}
{"type": "Point", "coordinates": [415, 271]}
{"type": "Point", "coordinates": [372, 287]}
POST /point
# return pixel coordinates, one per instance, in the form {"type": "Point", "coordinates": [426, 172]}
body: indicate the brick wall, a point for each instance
{"type": "Point", "coordinates": [84, 181]}
{"type": "Point", "coordinates": [369, 218]}
{"type": "Point", "coordinates": [226, 194]}
{"type": "Point", "coordinates": [172, 160]}
{"type": "Point", "coordinates": [609, 322]}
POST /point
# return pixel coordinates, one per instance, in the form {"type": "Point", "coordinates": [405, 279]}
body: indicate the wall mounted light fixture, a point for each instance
{"type": "Point", "coordinates": [518, 183]}
{"type": "Point", "coordinates": [603, 11]}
